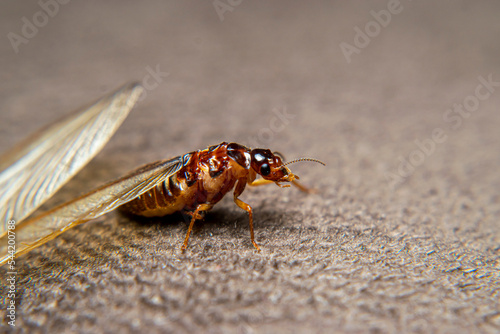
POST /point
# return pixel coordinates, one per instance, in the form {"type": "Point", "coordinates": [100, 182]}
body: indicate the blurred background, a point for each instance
{"type": "Point", "coordinates": [400, 100]}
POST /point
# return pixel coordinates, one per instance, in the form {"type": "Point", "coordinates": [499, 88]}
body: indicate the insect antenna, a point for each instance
{"type": "Point", "coordinates": [304, 159]}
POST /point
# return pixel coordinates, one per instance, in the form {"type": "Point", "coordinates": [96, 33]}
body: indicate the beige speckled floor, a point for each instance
{"type": "Point", "coordinates": [359, 256]}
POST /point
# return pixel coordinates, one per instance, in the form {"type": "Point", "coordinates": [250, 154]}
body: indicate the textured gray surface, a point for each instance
{"type": "Point", "coordinates": [359, 256]}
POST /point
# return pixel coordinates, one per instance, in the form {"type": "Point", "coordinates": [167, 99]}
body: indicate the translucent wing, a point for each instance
{"type": "Point", "coordinates": [37, 231]}
{"type": "Point", "coordinates": [32, 172]}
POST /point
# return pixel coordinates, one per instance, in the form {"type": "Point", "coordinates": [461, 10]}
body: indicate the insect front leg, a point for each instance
{"type": "Point", "coordinates": [195, 215]}
{"type": "Point", "coordinates": [261, 182]}
{"type": "Point", "coordinates": [240, 186]}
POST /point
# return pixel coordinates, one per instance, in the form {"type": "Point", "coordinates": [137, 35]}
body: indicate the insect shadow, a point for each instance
{"type": "Point", "coordinates": [223, 221]}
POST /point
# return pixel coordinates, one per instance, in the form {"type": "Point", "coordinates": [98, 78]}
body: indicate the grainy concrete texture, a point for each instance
{"type": "Point", "coordinates": [364, 254]}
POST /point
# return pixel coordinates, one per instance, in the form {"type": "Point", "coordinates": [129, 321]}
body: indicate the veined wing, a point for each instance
{"type": "Point", "coordinates": [32, 172]}
{"type": "Point", "coordinates": [38, 230]}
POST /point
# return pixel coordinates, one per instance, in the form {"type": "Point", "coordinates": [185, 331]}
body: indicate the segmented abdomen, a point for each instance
{"type": "Point", "coordinates": [164, 199]}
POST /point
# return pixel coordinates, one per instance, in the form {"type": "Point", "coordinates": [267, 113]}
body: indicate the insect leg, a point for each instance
{"type": "Point", "coordinates": [240, 186]}
{"type": "Point", "coordinates": [195, 215]}
{"type": "Point", "coordinates": [260, 182]}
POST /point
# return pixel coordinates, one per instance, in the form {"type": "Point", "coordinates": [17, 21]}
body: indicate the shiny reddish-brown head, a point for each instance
{"type": "Point", "coordinates": [270, 166]}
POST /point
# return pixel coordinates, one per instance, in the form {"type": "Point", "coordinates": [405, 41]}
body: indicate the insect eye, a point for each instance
{"type": "Point", "coordinates": [265, 170]}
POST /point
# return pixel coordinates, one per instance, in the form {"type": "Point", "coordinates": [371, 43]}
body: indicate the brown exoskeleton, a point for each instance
{"type": "Point", "coordinates": [206, 176]}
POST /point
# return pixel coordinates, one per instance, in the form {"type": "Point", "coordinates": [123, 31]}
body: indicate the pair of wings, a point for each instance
{"type": "Point", "coordinates": [33, 171]}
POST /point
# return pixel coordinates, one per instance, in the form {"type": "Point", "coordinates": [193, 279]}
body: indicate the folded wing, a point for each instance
{"type": "Point", "coordinates": [36, 231]}
{"type": "Point", "coordinates": [33, 171]}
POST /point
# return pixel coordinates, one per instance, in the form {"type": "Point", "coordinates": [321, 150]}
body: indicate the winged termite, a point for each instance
{"type": "Point", "coordinates": [192, 183]}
